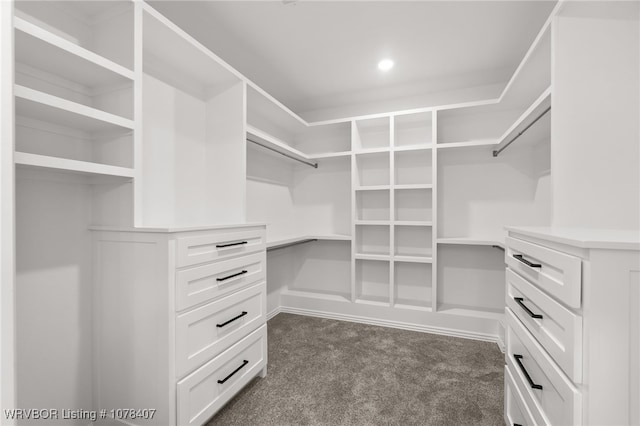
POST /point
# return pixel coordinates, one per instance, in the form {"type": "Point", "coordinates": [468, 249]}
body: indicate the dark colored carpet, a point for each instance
{"type": "Point", "coordinates": [326, 372]}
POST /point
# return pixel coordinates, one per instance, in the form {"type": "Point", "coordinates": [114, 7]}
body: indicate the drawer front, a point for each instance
{"type": "Point", "coordinates": [536, 375]}
{"type": "Point", "coordinates": [206, 248]}
{"type": "Point", "coordinates": [202, 393]}
{"type": "Point", "coordinates": [556, 328]}
{"type": "Point", "coordinates": [206, 331]}
{"type": "Point", "coordinates": [515, 408]}
{"type": "Point", "coordinates": [202, 283]}
{"type": "Point", "coordinates": [557, 273]}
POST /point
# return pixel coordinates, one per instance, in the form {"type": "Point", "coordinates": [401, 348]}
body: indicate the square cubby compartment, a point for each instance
{"type": "Point", "coordinates": [413, 167]}
{"type": "Point", "coordinates": [412, 284]}
{"type": "Point", "coordinates": [372, 281]}
{"type": "Point", "coordinates": [372, 239]}
{"type": "Point", "coordinates": [413, 129]}
{"type": "Point", "coordinates": [372, 169]}
{"type": "Point", "coordinates": [413, 205]}
{"type": "Point", "coordinates": [372, 133]}
{"type": "Point", "coordinates": [413, 242]}
{"type": "Point", "coordinates": [372, 205]}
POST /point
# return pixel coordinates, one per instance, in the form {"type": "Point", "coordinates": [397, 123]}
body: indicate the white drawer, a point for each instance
{"type": "Point", "coordinates": [555, 327]}
{"type": "Point", "coordinates": [515, 409]}
{"type": "Point", "coordinates": [207, 389]}
{"type": "Point", "coordinates": [559, 274]}
{"type": "Point", "coordinates": [206, 248]}
{"type": "Point", "coordinates": [206, 331]}
{"type": "Point", "coordinates": [548, 390]}
{"type": "Point", "coordinates": [202, 283]}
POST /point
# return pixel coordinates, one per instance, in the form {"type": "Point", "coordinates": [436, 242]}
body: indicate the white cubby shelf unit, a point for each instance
{"type": "Point", "coordinates": [429, 200]}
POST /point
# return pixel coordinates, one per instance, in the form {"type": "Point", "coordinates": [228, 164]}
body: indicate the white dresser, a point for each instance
{"type": "Point", "coordinates": [572, 327]}
{"type": "Point", "coordinates": [180, 319]}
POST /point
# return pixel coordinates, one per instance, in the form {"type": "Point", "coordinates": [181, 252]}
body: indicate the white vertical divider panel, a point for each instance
{"type": "Point", "coordinates": [392, 209]}
{"type": "Point", "coordinates": [7, 226]}
{"type": "Point", "coordinates": [434, 211]}
{"type": "Point", "coordinates": [226, 156]}
{"type": "Point", "coordinates": [137, 114]}
{"type": "Point", "coordinates": [355, 182]}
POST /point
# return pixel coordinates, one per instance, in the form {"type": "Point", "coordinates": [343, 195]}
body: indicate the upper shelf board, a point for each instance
{"type": "Point", "coordinates": [176, 56]}
{"type": "Point", "coordinates": [74, 166]}
{"type": "Point", "coordinates": [39, 48]}
{"type": "Point", "coordinates": [52, 109]}
{"type": "Point", "coordinates": [520, 127]}
{"type": "Point", "coordinates": [263, 138]}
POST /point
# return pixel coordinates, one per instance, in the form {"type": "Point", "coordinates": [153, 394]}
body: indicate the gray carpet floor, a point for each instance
{"type": "Point", "coordinates": [327, 372]}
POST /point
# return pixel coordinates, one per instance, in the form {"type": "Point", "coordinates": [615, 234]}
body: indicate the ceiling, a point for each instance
{"type": "Point", "coordinates": [320, 57]}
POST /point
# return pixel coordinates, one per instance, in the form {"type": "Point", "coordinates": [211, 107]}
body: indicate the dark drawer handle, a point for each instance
{"type": "Point", "coordinates": [231, 244]}
{"type": "Point", "coordinates": [231, 276]}
{"type": "Point", "coordinates": [245, 362]}
{"type": "Point", "coordinates": [232, 319]}
{"type": "Point", "coordinates": [520, 301]}
{"type": "Point", "coordinates": [526, 262]}
{"type": "Point", "coordinates": [524, 371]}
{"type": "Point", "coordinates": [517, 424]}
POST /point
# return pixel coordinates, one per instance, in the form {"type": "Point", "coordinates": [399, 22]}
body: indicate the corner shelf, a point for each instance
{"type": "Point", "coordinates": [471, 242]}
{"type": "Point", "coordinates": [275, 144]}
{"type": "Point", "coordinates": [52, 109]}
{"type": "Point", "coordinates": [534, 112]}
{"type": "Point", "coordinates": [42, 49]}
{"type": "Point", "coordinates": [413, 259]}
{"type": "Point", "coordinates": [75, 166]}
{"type": "Point", "coordinates": [468, 144]}
{"type": "Point", "coordinates": [282, 242]}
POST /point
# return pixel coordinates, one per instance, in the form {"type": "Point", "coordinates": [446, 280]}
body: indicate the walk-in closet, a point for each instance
{"type": "Point", "coordinates": [293, 212]}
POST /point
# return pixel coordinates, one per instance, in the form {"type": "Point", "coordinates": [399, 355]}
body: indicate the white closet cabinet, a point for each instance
{"type": "Point", "coordinates": [179, 319]}
{"type": "Point", "coordinates": [572, 326]}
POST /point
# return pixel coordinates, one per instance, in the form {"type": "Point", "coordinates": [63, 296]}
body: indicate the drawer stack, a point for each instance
{"type": "Point", "coordinates": [543, 370]}
{"type": "Point", "coordinates": [180, 318]}
{"type": "Point", "coordinates": [220, 323]}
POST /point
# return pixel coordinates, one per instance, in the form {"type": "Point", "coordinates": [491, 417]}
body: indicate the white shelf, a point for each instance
{"type": "Point", "coordinates": [75, 166]}
{"type": "Point", "coordinates": [366, 151]}
{"type": "Point", "coordinates": [412, 223]}
{"type": "Point", "coordinates": [373, 188]}
{"type": "Point", "coordinates": [468, 144]}
{"type": "Point", "coordinates": [411, 304]}
{"type": "Point", "coordinates": [44, 50]}
{"type": "Point", "coordinates": [293, 240]}
{"type": "Point", "coordinates": [365, 256]}
{"type": "Point", "coordinates": [275, 144]}
{"type": "Point", "coordinates": [174, 55]}
{"type": "Point", "coordinates": [373, 300]}
{"type": "Point", "coordinates": [52, 109]}
{"type": "Point", "coordinates": [413, 259]}
{"type": "Point", "coordinates": [538, 131]}
{"type": "Point", "coordinates": [415, 186]}
{"type": "Point", "coordinates": [413, 148]}
{"type": "Point", "coordinates": [372, 222]}
{"type": "Point", "coordinates": [470, 241]}
{"type": "Point", "coordinates": [327, 155]}
{"type": "Point", "coordinates": [470, 312]}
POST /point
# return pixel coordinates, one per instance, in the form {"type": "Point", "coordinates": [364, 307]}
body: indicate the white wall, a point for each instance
{"type": "Point", "coordinates": [595, 123]}
{"type": "Point", "coordinates": [53, 293]}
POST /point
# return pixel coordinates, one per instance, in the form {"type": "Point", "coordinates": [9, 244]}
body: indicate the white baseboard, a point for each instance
{"type": "Point", "coordinates": [391, 324]}
{"type": "Point", "coordinates": [273, 313]}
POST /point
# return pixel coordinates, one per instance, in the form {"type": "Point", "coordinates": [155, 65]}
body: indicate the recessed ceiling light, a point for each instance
{"type": "Point", "coordinates": [385, 64]}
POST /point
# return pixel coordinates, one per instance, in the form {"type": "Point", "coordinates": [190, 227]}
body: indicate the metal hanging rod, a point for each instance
{"type": "Point", "coordinates": [497, 152]}
{"type": "Point", "coordinates": [314, 165]}
{"type": "Point", "coordinates": [291, 244]}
